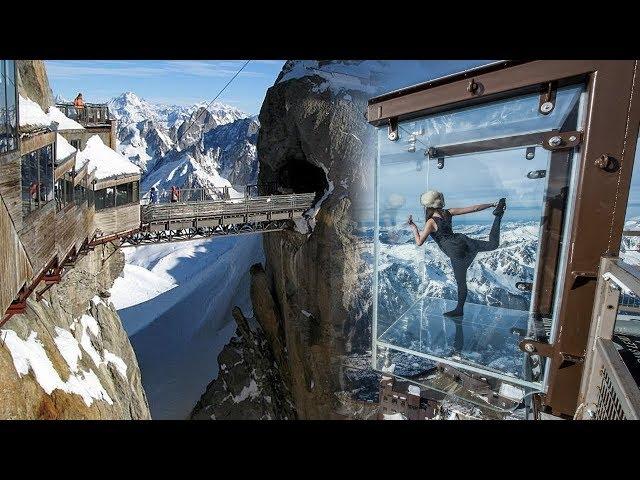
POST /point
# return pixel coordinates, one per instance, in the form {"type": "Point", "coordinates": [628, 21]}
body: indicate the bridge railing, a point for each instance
{"type": "Point", "coordinates": [164, 212]}
{"type": "Point", "coordinates": [189, 195]}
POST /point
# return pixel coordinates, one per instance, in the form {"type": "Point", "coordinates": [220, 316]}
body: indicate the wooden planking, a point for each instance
{"type": "Point", "coordinates": [10, 181]}
{"type": "Point", "coordinates": [35, 142]}
{"type": "Point", "coordinates": [66, 166]}
{"type": "Point", "coordinates": [38, 235]}
{"type": "Point", "coordinates": [89, 222]}
{"type": "Point", "coordinates": [15, 268]}
{"type": "Point", "coordinates": [117, 219]}
{"type": "Point", "coordinates": [71, 228]}
{"type": "Point", "coordinates": [80, 175]}
{"type": "Point", "coordinates": [111, 182]}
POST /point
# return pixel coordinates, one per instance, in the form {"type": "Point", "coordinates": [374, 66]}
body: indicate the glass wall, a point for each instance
{"type": "Point", "coordinates": [120, 195]}
{"type": "Point", "coordinates": [8, 110]}
{"type": "Point", "coordinates": [464, 282]}
{"type": "Point", "coordinates": [37, 169]}
{"type": "Point", "coordinates": [64, 191]}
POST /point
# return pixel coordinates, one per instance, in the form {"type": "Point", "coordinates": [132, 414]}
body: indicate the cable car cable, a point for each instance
{"type": "Point", "coordinates": [215, 98]}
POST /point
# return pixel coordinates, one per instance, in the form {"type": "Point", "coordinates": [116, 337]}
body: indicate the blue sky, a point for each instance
{"type": "Point", "coordinates": [165, 81]}
{"type": "Point", "coordinates": [186, 82]}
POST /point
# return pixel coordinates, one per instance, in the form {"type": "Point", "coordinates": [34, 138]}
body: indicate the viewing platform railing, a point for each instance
{"type": "Point", "coordinates": [92, 114]}
{"type": "Point", "coordinates": [189, 195]}
{"type": "Point", "coordinates": [609, 389]}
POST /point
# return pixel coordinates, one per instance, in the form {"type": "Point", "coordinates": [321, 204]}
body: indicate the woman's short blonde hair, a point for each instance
{"type": "Point", "coordinates": [432, 199]}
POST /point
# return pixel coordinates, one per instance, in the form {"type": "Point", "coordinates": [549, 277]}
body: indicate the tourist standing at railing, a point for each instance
{"type": "Point", "coordinates": [153, 195]}
{"type": "Point", "coordinates": [175, 194]}
{"type": "Point", "coordinates": [79, 101]}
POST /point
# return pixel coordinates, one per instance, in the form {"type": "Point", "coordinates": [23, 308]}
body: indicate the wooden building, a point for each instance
{"type": "Point", "coordinates": [116, 187]}
{"type": "Point", "coordinates": [49, 195]}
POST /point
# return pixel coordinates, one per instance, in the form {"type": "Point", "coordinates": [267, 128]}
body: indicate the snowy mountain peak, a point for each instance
{"type": "Point", "coordinates": [196, 145]}
{"type": "Point", "coordinates": [130, 108]}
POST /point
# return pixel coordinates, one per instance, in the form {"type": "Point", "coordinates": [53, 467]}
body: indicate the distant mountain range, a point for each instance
{"type": "Point", "coordinates": [408, 272]}
{"type": "Point", "coordinates": [187, 146]}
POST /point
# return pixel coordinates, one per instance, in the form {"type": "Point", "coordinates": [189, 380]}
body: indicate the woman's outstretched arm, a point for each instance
{"type": "Point", "coordinates": [472, 208]}
{"type": "Point", "coordinates": [421, 236]}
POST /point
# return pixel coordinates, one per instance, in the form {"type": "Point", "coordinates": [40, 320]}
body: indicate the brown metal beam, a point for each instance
{"type": "Point", "coordinates": [527, 77]}
{"type": "Point", "coordinates": [601, 198]}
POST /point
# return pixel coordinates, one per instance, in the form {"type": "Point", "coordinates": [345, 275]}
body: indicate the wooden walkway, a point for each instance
{"type": "Point", "coordinates": [165, 222]}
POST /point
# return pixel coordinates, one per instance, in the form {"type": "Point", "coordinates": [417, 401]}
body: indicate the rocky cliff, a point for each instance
{"type": "Point", "coordinates": [68, 356]}
{"type": "Point", "coordinates": [312, 300]}
{"type": "Point", "coordinates": [314, 137]}
{"type": "Point", "coordinates": [33, 82]}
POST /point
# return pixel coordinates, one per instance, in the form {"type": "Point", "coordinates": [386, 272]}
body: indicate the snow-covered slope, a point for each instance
{"type": "Point", "coordinates": [630, 247]}
{"type": "Point", "coordinates": [146, 131]}
{"type": "Point", "coordinates": [175, 302]}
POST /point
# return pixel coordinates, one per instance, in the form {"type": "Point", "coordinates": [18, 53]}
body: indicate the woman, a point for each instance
{"type": "Point", "coordinates": [460, 249]}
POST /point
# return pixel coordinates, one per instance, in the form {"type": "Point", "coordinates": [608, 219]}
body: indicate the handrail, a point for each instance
{"type": "Point", "coordinates": [90, 113]}
{"type": "Point", "coordinates": [244, 206]}
{"type": "Point", "coordinates": [608, 390]}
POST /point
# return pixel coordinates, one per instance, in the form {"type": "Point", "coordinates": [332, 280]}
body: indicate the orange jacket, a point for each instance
{"type": "Point", "coordinates": [78, 102]}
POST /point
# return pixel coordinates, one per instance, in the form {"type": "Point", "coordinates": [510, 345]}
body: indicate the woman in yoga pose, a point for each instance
{"type": "Point", "coordinates": [460, 249]}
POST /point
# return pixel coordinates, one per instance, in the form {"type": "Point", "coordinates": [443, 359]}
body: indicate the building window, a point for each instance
{"type": "Point", "coordinates": [37, 179]}
{"type": "Point", "coordinates": [80, 193]}
{"type": "Point", "coordinates": [118, 196]}
{"type": "Point", "coordinates": [64, 191]}
{"type": "Point", "coordinates": [75, 144]}
{"type": "Point", "coordinates": [8, 106]}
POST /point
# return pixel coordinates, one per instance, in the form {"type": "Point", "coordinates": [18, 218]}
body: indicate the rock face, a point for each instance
{"type": "Point", "coordinates": [249, 385]}
{"type": "Point", "coordinates": [68, 356]}
{"type": "Point", "coordinates": [314, 137]}
{"type": "Point", "coordinates": [33, 82]}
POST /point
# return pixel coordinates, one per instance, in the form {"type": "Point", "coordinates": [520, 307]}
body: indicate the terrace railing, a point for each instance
{"type": "Point", "coordinates": [90, 114]}
{"type": "Point", "coordinates": [609, 390]}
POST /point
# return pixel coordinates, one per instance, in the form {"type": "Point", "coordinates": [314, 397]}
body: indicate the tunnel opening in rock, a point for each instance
{"type": "Point", "coordinates": [301, 176]}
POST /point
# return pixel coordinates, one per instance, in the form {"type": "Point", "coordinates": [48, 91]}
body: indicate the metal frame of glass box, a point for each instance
{"type": "Point", "coordinates": [600, 192]}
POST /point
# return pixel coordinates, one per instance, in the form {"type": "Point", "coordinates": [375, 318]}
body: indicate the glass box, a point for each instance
{"type": "Point", "coordinates": [474, 156]}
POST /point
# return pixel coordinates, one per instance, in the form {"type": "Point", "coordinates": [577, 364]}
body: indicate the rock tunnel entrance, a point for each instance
{"type": "Point", "coordinates": [301, 176]}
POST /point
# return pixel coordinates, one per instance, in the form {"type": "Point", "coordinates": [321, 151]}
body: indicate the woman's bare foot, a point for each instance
{"type": "Point", "coordinates": [457, 312]}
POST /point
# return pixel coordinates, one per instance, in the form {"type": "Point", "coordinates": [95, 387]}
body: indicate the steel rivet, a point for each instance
{"type": "Point", "coordinates": [530, 155]}
{"type": "Point", "coordinates": [393, 136]}
{"type": "Point", "coordinates": [529, 348]}
{"type": "Point", "coordinates": [572, 138]}
{"type": "Point", "coordinates": [546, 107]}
{"type": "Point", "coordinates": [472, 87]}
{"type": "Point", "coordinates": [602, 161]}
{"type": "Point", "coordinates": [555, 141]}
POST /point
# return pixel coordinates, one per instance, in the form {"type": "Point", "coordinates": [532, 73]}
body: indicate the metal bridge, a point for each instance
{"type": "Point", "coordinates": [186, 220]}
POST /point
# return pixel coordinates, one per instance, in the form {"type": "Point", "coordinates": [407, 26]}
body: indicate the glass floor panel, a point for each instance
{"type": "Point", "coordinates": [486, 337]}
